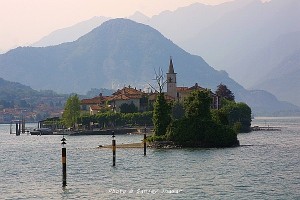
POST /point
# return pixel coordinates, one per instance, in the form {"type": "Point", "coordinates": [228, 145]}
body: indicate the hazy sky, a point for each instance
{"type": "Point", "coordinates": [23, 22]}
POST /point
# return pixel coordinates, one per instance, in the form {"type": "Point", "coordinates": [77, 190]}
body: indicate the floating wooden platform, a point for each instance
{"type": "Point", "coordinates": [132, 145]}
{"type": "Point", "coordinates": [265, 128]}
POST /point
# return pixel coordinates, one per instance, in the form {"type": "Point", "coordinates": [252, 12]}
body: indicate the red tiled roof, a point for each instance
{"type": "Point", "coordinates": [126, 93]}
{"type": "Point", "coordinates": [95, 100]}
{"type": "Point", "coordinates": [196, 87]}
{"type": "Point", "coordinates": [129, 90]}
{"type": "Point", "coordinates": [95, 107]}
{"type": "Point", "coordinates": [189, 89]}
{"type": "Point", "coordinates": [179, 89]}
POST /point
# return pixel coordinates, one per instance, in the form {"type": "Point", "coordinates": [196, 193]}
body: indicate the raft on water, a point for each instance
{"type": "Point", "coordinates": [265, 128]}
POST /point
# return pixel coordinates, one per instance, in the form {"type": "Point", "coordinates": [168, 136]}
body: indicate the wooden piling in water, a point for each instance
{"type": "Point", "coordinates": [64, 163]}
{"type": "Point", "coordinates": [23, 124]}
{"type": "Point", "coordinates": [114, 149]}
{"type": "Point", "coordinates": [145, 144]}
{"type": "Point", "coordinates": [18, 128]}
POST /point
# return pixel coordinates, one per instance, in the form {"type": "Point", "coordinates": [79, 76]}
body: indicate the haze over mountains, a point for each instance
{"type": "Point", "coordinates": [247, 38]}
{"type": "Point", "coordinates": [121, 52]}
{"type": "Point", "coordinates": [71, 33]}
{"type": "Point", "coordinates": [252, 41]}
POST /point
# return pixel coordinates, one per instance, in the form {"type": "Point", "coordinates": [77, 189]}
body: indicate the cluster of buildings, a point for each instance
{"type": "Point", "coordinates": [142, 100]}
{"type": "Point", "coordinates": [45, 107]}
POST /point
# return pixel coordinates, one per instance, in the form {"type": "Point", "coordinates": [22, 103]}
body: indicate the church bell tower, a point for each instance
{"type": "Point", "coordinates": [171, 81]}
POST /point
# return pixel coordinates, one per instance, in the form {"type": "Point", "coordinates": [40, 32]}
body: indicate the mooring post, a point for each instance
{"type": "Point", "coordinates": [145, 137]}
{"type": "Point", "coordinates": [10, 129]}
{"type": "Point", "coordinates": [114, 148]}
{"type": "Point", "coordinates": [23, 124]}
{"type": "Point", "coordinates": [64, 162]}
{"type": "Point", "coordinates": [17, 128]}
{"type": "Point", "coordinates": [20, 124]}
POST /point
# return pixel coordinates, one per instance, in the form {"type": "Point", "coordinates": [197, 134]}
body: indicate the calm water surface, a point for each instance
{"type": "Point", "coordinates": [266, 166]}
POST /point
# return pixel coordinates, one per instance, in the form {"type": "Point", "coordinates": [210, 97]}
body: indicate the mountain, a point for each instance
{"type": "Point", "coordinates": [13, 90]}
{"type": "Point", "coordinates": [74, 32]}
{"type": "Point", "coordinates": [264, 103]}
{"type": "Point", "coordinates": [184, 24]}
{"type": "Point", "coordinates": [283, 80]}
{"type": "Point", "coordinates": [71, 33]}
{"type": "Point", "coordinates": [233, 41]}
{"type": "Point", "coordinates": [249, 39]}
{"type": "Point", "coordinates": [18, 100]}
{"type": "Point", "coordinates": [232, 36]}
{"type": "Point", "coordinates": [117, 53]}
{"type": "Point", "coordinates": [189, 20]}
{"type": "Point", "coordinates": [139, 17]}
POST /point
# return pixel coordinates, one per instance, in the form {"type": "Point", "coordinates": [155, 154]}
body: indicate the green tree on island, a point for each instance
{"type": "Point", "coordinates": [198, 128]}
{"type": "Point", "coordinates": [71, 111]}
{"type": "Point", "coordinates": [223, 92]}
{"type": "Point", "coordinates": [236, 115]}
{"type": "Point", "coordinates": [161, 108]}
{"type": "Point", "coordinates": [161, 115]}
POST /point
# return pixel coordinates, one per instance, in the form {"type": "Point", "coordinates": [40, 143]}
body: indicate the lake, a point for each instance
{"type": "Point", "coordinates": [265, 166]}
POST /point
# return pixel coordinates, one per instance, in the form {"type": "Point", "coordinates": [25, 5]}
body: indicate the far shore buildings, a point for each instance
{"type": "Point", "coordinates": [140, 99]}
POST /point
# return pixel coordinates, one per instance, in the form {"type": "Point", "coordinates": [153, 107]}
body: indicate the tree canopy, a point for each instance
{"type": "Point", "coordinates": [238, 115]}
{"type": "Point", "coordinates": [128, 108]}
{"type": "Point", "coordinates": [223, 92]}
{"type": "Point", "coordinates": [197, 105]}
{"type": "Point", "coordinates": [161, 115]}
{"type": "Point", "coordinates": [71, 111]}
{"type": "Point", "coordinates": [198, 128]}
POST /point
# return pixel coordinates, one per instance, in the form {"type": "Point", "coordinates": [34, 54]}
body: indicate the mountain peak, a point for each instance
{"type": "Point", "coordinates": [139, 17]}
{"type": "Point", "coordinates": [117, 53]}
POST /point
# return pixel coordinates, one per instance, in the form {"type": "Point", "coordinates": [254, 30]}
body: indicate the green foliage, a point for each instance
{"type": "Point", "coordinates": [238, 115]}
{"type": "Point", "coordinates": [200, 127]}
{"type": "Point", "coordinates": [220, 117]}
{"type": "Point", "coordinates": [111, 119]}
{"type": "Point", "coordinates": [154, 137]}
{"type": "Point", "coordinates": [220, 136]}
{"type": "Point", "coordinates": [128, 108]}
{"type": "Point", "coordinates": [53, 123]}
{"type": "Point", "coordinates": [183, 132]}
{"type": "Point", "coordinates": [161, 115]}
{"type": "Point", "coordinates": [72, 111]}
{"type": "Point", "coordinates": [177, 110]}
{"type": "Point", "coordinates": [197, 105]}
{"type": "Point", "coordinates": [237, 127]}
{"type": "Point", "coordinates": [85, 120]}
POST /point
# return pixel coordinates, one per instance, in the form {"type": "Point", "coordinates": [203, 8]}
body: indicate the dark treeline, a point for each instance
{"type": "Point", "coordinates": [111, 119]}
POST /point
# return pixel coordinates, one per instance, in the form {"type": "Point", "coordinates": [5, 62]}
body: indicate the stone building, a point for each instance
{"type": "Point", "coordinates": [179, 93]}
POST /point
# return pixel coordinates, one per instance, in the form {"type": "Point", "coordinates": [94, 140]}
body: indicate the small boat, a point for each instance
{"type": "Point", "coordinates": [41, 131]}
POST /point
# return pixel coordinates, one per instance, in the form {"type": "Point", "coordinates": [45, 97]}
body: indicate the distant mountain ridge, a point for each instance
{"type": "Point", "coordinates": [283, 80]}
{"type": "Point", "coordinates": [119, 52]}
{"type": "Point", "coordinates": [71, 33]}
{"type": "Point", "coordinates": [247, 38]}
{"type": "Point", "coordinates": [13, 90]}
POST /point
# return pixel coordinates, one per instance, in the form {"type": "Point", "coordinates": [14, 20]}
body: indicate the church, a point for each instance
{"type": "Point", "coordinates": [140, 99]}
{"type": "Point", "coordinates": [179, 93]}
